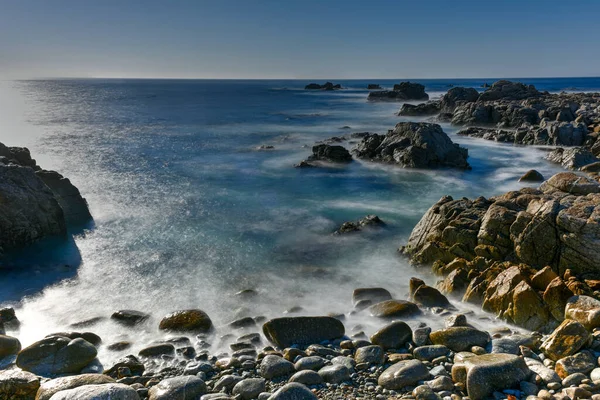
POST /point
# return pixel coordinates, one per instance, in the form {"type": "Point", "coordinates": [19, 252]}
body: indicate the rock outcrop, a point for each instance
{"type": "Point", "coordinates": [423, 109]}
{"type": "Point", "coordinates": [325, 86]}
{"type": "Point", "coordinates": [499, 244]}
{"type": "Point", "coordinates": [401, 92]}
{"type": "Point", "coordinates": [413, 145]}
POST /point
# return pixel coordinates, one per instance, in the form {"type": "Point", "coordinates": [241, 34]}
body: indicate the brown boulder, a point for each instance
{"type": "Point", "coordinates": [567, 339]}
{"type": "Point", "coordinates": [186, 321]}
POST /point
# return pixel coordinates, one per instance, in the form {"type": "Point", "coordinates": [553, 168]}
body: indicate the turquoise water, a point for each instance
{"type": "Point", "coordinates": [187, 210]}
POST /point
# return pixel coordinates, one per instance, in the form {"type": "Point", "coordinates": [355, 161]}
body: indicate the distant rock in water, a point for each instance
{"type": "Point", "coordinates": [35, 203]}
{"type": "Point", "coordinates": [423, 109]}
{"type": "Point", "coordinates": [413, 145]}
{"type": "Point", "coordinates": [368, 221]}
{"type": "Point", "coordinates": [325, 86]}
{"type": "Point", "coordinates": [403, 91]}
{"type": "Point", "coordinates": [327, 153]}
{"type": "Point", "coordinates": [373, 86]}
{"type": "Point", "coordinates": [532, 176]}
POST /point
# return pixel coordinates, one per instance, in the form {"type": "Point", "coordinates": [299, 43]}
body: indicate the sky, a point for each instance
{"type": "Point", "coordinates": [300, 39]}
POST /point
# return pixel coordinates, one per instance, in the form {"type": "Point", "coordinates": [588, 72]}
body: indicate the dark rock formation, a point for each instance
{"type": "Point", "coordinates": [325, 86]}
{"type": "Point", "coordinates": [325, 152]}
{"type": "Point", "coordinates": [532, 176]}
{"type": "Point", "coordinates": [368, 221]}
{"type": "Point", "coordinates": [413, 145]}
{"type": "Point", "coordinates": [402, 92]}
{"type": "Point", "coordinates": [373, 86]}
{"type": "Point", "coordinates": [423, 109]}
{"type": "Point", "coordinates": [457, 96]}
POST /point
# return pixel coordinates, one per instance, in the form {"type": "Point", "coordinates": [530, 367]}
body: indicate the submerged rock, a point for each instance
{"type": "Point", "coordinates": [413, 145]}
{"type": "Point", "coordinates": [285, 332]}
{"type": "Point", "coordinates": [365, 222]}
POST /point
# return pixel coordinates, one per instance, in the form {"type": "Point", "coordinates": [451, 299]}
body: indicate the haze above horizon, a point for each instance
{"type": "Point", "coordinates": [308, 39]}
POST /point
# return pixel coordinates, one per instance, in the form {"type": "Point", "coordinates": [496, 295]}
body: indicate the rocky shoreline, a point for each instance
{"type": "Point", "coordinates": [528, 257]}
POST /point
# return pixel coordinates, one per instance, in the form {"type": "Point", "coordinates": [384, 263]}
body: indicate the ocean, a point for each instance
{"type": "Point", "coordinates": [188, 211]}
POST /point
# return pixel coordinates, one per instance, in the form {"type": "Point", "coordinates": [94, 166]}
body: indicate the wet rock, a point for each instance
{"type": "Point", "coordinates": [293, 391]}
{"type": "Point", "coordinates": [314, 363]}
{"type": "Point", "coordinates": [307, 377]}
{"type": "Point", "coordinates": [456, 96]}
{"type": "Point", "coordinates": [365, 222]}
{"type": "Point", "coordinates": [227, 382]}
{"type": "Point", "coordinates": [87, 336]}
{"type": "Point", "coordinates": [460, 338]}
{"type": "Point", "coordinates": [402, 374]}
{"type": "Point", "coordinates": [486, 373]}
{"type": "Point", "coordinates": [119, 346]}
{"type": "Point", "coordinates": [504, 345]}
{"type": "Point", "coordinates": [329, 153]}
{"type": "Point", "coordinates": [583, 362]}
{"type": "Point", "coordinates": [585, 310]}
{"type": "Point", "coordinates": [413, 145]}
{"type": "Point", "coordinates": [565, 340]}
{"type": "Point", "coordinates": [129, 317]}
{"type": "Point", "coordinates": [249, 388]}
{"type": "Point", "coordinates": [428, 353]}
{"type": "Point", "coordinates": [285, 332]}
{"type": "Point", "coordinates": [49, 388]}
{"type": "Point", "coordinates": [394, 309]}
{"type": "Point", "coordinates": [375, 295]}
{"type": "Point", "coordinates": [393, 336]}
{"type": "Point", "coordinates": [546, 374]}
{"type": "Point", "coordinates": [428, 296]}
{"type": "Point", "coordinates": [157, 350]}
{"type": "Point", "coordinates": [99, 392]}
{"type": "Point", "coordinates": [180, 387]}
{"type": "Point", "coordinates": [369, 355]}
{"type": "Point", "coordinates": [532, 176]}
{"type": "Point", "coordinates": [56, 355]}
{"type": "Point", "coordinates": [420, 336]}
{"type": "Point", "coordinates": [15, 384]}
{"type": "Point", "coordinates": [441, 383]}
{"type": "Point", "coordinates": [186, 321]}
{"type": "Point", "coordinates": [456, 320]}
{"type": "Point", "coordinates": [69, 198]}
{"type": "Point", "coordinates": [9, 346]}
{"type": "Point", "coordinates": [273, 366]}
{"type": "Point", "coordinates": [8, 318]}
{"type": "Point", "coordinates": [335, 373]}
{"type": "Point", "coordinates": [130, 362]}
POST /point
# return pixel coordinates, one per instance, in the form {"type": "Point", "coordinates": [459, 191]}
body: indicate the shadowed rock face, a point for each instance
{"type": "Point", "coordinates": [35, 203]}
{"type": "Point", "coordinates": [413, 145]}
{"type": "Point", "coordinates": [402, 91]}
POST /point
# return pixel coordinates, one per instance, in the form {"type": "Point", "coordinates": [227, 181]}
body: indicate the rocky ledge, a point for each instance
{"type": "Point", "coordinates": [36, 203]}
{"type": "Point", "coordinates": [520, 255]}
{"type": "Point", "coordinates": [413, 145]}
{"type": "Point", "coordinates": [401, 92]}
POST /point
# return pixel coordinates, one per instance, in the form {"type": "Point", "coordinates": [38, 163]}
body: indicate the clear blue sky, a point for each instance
{"type": "Point", "coordinates": [299, 38]}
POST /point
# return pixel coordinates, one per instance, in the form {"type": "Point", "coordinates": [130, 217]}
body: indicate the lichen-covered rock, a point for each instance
{"type": "Point", "coordinates": [567, 339]}
{"type": "Point", "coordinates": [413, 145]}
{"type": "Point", "coordinates": [580, 363]}
{"type": "Point", "coordinates": [460, 338]}
{"type": "Point", "coordinates": [16, 384]}
{"type": "Point", "coordinates": [585, 310]}
{"type": "Point", "coordinates": [49, 388]}
{"type": "Point", "coordinates": [285, 332]}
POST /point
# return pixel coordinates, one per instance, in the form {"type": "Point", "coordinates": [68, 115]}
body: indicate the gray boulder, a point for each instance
{"type": "Point", "coordinates": [402, 374]}
{"type": "Point", "coordinates": [293, 391]}
{"type": "Point", "coordinates": [572, 158]}
{"type": "Point", "coordinates": [284, 332]}
{"type": "Point", "coordinates": [49, 388]}
{"type": "Point", "coordinates": [335, 373]}
{"type": "Point", "coordinates": [178, 388]}
{"type": "Point", "coordinates": [109, 391]}
{"type": "Point", "coordinates": [455, 96]}
{"type": "Point", "coordinates": [249, 388]}
{"type": "Point", "coordinates": [56, 355]}
{"type": "Point", "coordinates": [273, 366]}
{"type": "Point", "coordinates": [393, 336]}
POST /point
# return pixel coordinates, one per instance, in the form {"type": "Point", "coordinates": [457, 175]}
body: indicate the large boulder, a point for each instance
{"type": "Point", "coordinates": [287, 331]}
{"type": "Point", "coordinates": [330, 153]}
{"type": "Point", "coordinates": [413, 145]}
{"type": "Point", "coordinates": [178, 388]}
{"type": "Point", "coordinates": [186, 321]}
{"type": "Point", "coordinates": [585, 310]}
{"type": "Point", "coordinates": [29, 210]}
{"type": "Point", "coordinates": [74, 206]}
{"type": "Point", "coordinates": [16, 384]}
{"type": "Point", "coordinates": [484, 374]}
{"type": "Point", "coordinates": [9, 346]}
{"type": "Point", "coordinates": [273, 366]}
{"type": "Point", "coordinates": [373, 295]}
{"type": "Point", "coordinates": [394, 309]}
{"type": "Point", "coordinates": [109, 391]}
{"type": "Point", "coordinates": [56, 355]}
{"type": "Point", "coordinates": [49, 388]}
{"type": "Point", "coordinates": [392, 336]}
{"type": "Point", "coordinates": [457, 95]}
{"type": "Point", "coordinates": [402, 374]}
{"type": "Point", "coordinates": [293, 391]}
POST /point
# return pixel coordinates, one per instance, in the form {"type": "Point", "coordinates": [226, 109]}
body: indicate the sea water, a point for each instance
{"type": "Point", "coordinates": [188, 210]}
